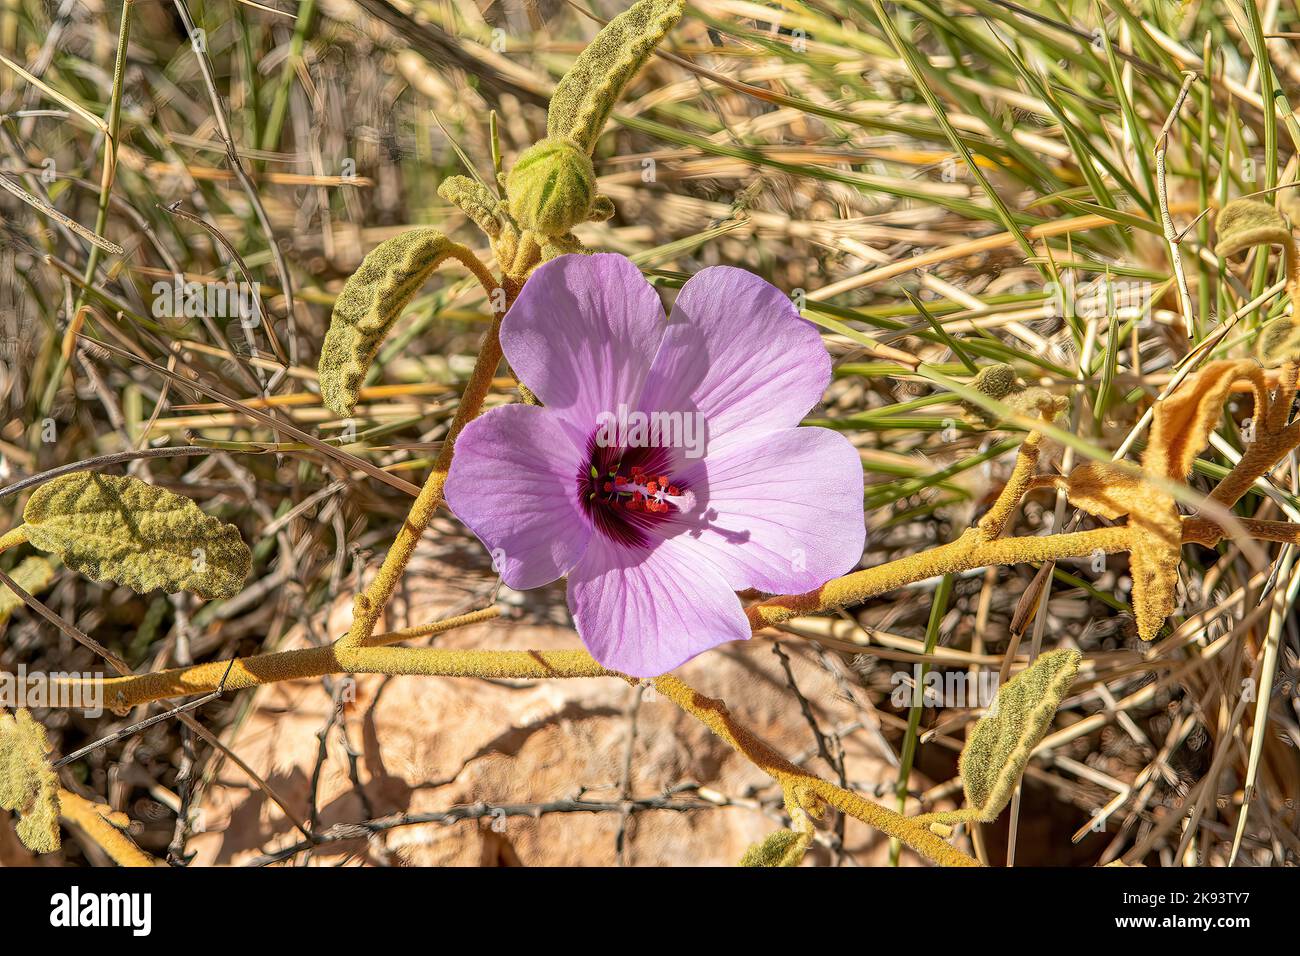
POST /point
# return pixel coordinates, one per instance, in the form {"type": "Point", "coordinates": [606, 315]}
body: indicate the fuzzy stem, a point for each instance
{"type": "Point", "coordinates": [1260, 456]}
{"type": "Point", "coordinates": [85, 815]}
{"type": "Point", "coordinates": [536, 665]}
{"type": "Point", "coordinates": [370, 603]}
{"type": "Point", "coordinates": [714, 715]}
{"type": "Point", "coordinates": [1209, 533]}
{"type": "Point", "coordinates": [995, 521]}
{"type": "Point", "coordinates": [13, 538]}
{"type": "Point", "coordinates": [969, 551]}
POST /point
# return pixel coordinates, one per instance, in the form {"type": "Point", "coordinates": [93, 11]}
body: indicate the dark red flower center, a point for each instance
{"type": "Point", "coordinates": [627, 491]}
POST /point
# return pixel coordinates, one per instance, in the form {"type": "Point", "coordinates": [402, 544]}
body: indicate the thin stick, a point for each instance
{"type": "Point", "coordinates": [99, 242]}
{"type": "Point", "coordinates": [342, 457]}
{"type": "Point", "coordinates": [1172, 237]}
{"type": "Point", "coordinates": [237, 167]}
{"type": "Point", "coordinates": [90, 464]}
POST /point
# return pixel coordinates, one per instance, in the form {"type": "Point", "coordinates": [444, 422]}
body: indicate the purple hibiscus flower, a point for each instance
{"type": "Point", "coordinates": [665, 470]}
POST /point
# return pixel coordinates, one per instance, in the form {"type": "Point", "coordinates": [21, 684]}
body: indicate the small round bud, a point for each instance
{"type": "Point", "coordinates": [551, 187]}
{"type": "Point", "coordinates": [996, 381]}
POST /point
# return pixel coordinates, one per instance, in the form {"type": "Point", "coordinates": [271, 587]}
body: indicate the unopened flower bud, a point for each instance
{"type": "Point", "coordinates": [551, 187]}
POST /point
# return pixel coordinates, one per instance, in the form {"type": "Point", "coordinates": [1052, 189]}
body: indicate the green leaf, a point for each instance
{"type": "Point", "coordinates": [586, 95]}
{"type": "Point", "coordinates": [1001, 743]}
{"type": "Point", "coordinates": [28, 783]}
{"type": "Point", "coordinates": [475, 200]}
{"type": "Point", "coordinates": [782, 848]}
{"type": "Point", "coordinates": [371, 301]}
{"type": "Point", "coordinates": [33, 576]}
{"type": "Point", "coordinates": [1244, 223]}
{"type": "Point", "coordinates": [124, 530]}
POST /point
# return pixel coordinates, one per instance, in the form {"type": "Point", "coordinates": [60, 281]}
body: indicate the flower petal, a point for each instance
{"type": "Point", "coordinates": [737, 351]}
{"type": "Point", "coordinates": [644, 612]}
{"type": "Point", "coordinates": [782, 512]}
{"type": "Point", "coordinates": [582, 335]}
{"type": "Point", "coordinates": [513, 482]}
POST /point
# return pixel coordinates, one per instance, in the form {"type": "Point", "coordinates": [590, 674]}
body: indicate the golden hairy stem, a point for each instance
{"type": "Point", "coordinates": [13, 538]}
{"type": "Point", "coordinates": [971, 550]}
{"type": "Point", "coordinates": [1259, 457]}
{"type": "Point", "coordinates": [1274, 438]}
{"type": "Point", "coordinates": [714, 715]}
{"type": "Point", "coordinates": [86, 816]}
{"type": "Point", "coordinates": [995, 522]}
{"type": "Point", "coordinates": [370, 603]}
{"type": "Point", "coordinates": [1206, 532]}
{"type": "Point", "coordinates": [122, 693]}
{"type": "Point", "coordinates": [540, 665]}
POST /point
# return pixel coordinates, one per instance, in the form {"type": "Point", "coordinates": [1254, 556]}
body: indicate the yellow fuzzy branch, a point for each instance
{"type": "Point", "coordinates": [971, 550]}
{"type": "Point", "coordinates": [1022, 475]}
{"type": "Point", "coordinates": [91, 820]}
{"type": "Point", "coordinates": [370, 603]}
{"type": "Point", "coordinates": [714, 715]}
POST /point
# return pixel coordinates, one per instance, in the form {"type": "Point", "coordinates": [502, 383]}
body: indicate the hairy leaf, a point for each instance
{"type": "Point", "coordinates": [1000, 745]}
{"type": "Point", "coordinates": [33, 576]}
{"type": "Point", "coordinates": [1279, 342]}
{"type": "Point", "coordinates": [475, 200]}
{"type": "Point", "coordinates": [370, 302]}
{"type": "Point", "coordinates": [1244, 223]}
{"type": "Point", "coordinates": [28, 784]}
{"type": "Point", "coordinates": [586, 95]}
{"type": "Point", "coordinates": [1180, 431]}
{"type": "Point", "coordinates": [124, 530]}
{"type": "Point", "coordinates": [1108, 491]}
{"type": "Point", "coordinates": [782, 848]}
{"type": "Point", "coordinates": [1181, 428]}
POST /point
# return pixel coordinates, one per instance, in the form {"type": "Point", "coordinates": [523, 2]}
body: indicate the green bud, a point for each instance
{"type": "Point", "coordinates": [1039, 402]}
{"type": "Point", "coordinates": [551, 187]}
{"type": "Point", "coordinates": [602, 209]}
{"type": "Point", "coordinates": [996, 381]}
